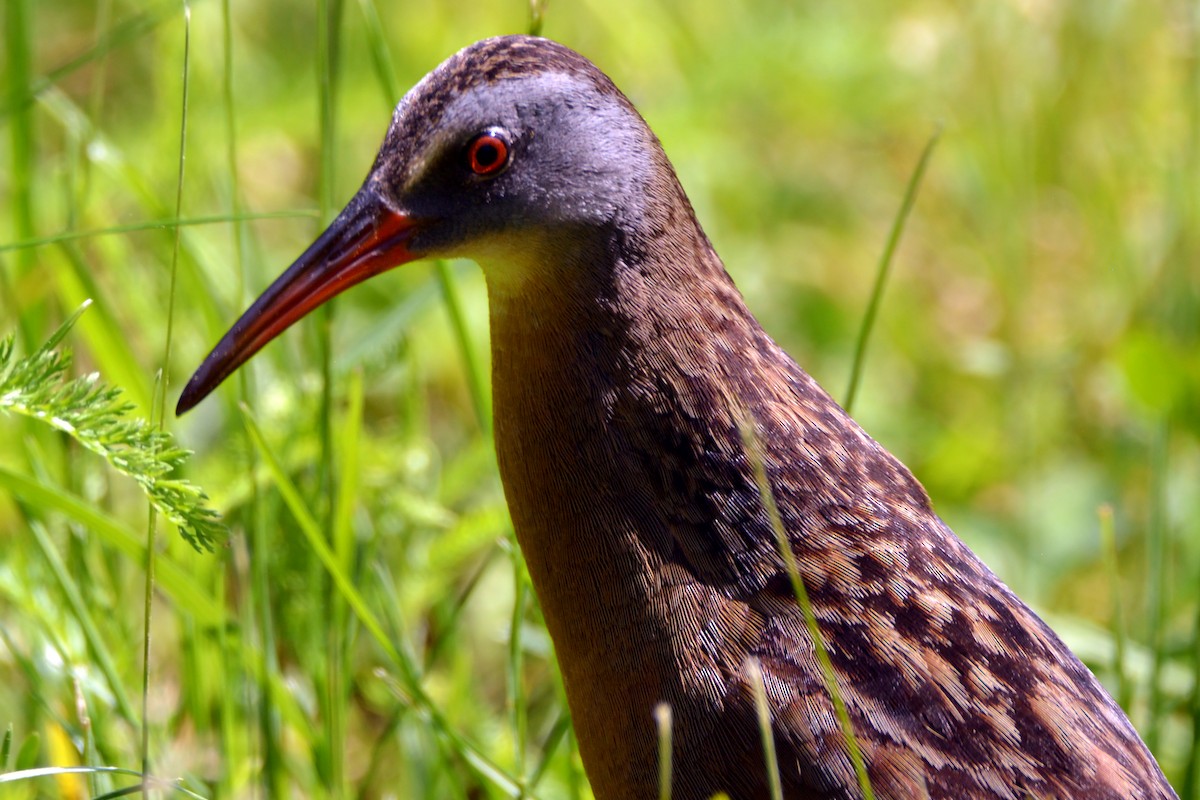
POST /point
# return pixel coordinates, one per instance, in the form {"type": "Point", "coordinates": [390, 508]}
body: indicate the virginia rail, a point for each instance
{"type": "Point", "coordinates": [625, 365]}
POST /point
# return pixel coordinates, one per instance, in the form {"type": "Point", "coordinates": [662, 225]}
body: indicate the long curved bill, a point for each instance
{"type": "Point", "coordinates": [367, 238]}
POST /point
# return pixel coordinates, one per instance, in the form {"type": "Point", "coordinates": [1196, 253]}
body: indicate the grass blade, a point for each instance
{"type": "Point", "coordinates": [316, 540]}
{"type": "Point", "coordinates": [79, 609]}
{"type": "Point", "coordinates": [173, 579]}
{"type": "Point", "coordinates": [662, 722]}
{"type": "Point", "coordinates": [884, 267]}
{"type": "Point", "coordinates": [755, 675]}
{"type": "Point", "coordinates": [754, 452]}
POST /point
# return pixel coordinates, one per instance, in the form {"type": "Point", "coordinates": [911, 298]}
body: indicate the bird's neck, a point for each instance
{"type": "Point", "coordinates": [621, 348]}
{"type": "Point", "coordinates": [566, 336]}
{"type": "Point", "coordinates": [563, 338]}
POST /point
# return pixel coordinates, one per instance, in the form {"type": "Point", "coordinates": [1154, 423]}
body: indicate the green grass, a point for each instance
{"type": "Point", "coordinates": [369, 628]}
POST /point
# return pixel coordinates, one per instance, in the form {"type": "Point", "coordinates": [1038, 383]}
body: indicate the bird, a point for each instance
{"type": "Point", "coordinates": [656, 445]}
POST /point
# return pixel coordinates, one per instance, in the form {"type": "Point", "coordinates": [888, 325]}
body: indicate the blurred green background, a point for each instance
{"type": "Point", "coordinates": [1036, 356]}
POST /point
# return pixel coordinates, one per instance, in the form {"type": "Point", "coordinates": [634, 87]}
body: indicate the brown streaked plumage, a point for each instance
{"type": "Point", "coordinates": [624, 361]}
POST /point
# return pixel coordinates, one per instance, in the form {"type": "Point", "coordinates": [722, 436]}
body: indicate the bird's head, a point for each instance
{"type": "Point", "coordinates": [511, 146]}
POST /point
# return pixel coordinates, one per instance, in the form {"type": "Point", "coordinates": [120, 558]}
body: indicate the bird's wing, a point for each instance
{"type": "Point", "coordinates": [955, 688]}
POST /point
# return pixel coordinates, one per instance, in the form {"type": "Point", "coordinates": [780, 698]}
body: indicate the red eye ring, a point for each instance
{"type": "Point", "coordinates": [488, 153]}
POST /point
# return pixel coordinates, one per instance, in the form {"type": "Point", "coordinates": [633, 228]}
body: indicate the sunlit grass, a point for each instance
{"type": "Point", "coordinates": [1035, 357]}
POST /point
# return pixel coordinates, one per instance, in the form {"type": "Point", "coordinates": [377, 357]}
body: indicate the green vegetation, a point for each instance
{"type": "Point", "coordinates": [368, 629]}
{"type": "Point", "coordinates": [94, 415]}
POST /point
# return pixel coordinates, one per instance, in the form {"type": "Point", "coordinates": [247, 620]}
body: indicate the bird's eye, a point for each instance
{"type": "Point", "coordinates": [488, 153]}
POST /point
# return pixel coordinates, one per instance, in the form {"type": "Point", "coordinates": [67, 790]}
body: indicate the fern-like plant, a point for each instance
{"type": "Point", "coordinates": [95, 415]}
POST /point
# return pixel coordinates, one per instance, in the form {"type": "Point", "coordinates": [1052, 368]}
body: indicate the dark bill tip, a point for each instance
{"type": "Point", "coordinates": [367, 238]}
